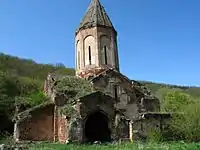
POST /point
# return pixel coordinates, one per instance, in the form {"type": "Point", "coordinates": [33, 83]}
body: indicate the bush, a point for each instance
{"type": "Point", "coordinates": [73, 87]}
{"type": "Point", "coordinates": [185, 123]}
{"type": "Point", "coordinates": [175, 100]}
{"type": "Point", "coordinates": [154, 136]}
{"type": "Point", "coordinates": [31, 100]}
{"type": "Point", "coordinates": [187, 126]}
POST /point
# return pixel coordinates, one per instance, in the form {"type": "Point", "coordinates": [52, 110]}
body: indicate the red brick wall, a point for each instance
{"type": "Point", "coordinates": [62, 129]}
{"type": "Point", "coordinates": [39, 127]}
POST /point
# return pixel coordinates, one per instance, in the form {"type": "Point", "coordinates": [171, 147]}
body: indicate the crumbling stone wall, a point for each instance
{"type": "Point", "coordinates": [121, 127]}
{"type": "Point", "coordinates": [130, 96]}
{"type": "Point", "coordinates": [63, 129]}
{"type": "Point", "coordinates": [122, 98]}
{"type": "Point", "coordinates": [117, 93]}
{"type": "Point", "coordinates": [76, 130]}
{"type": "Point", "coordinates": [74, 123]}
{"type": "Point", "coordinates": [149, 122]}
{"type": "Point", "coordinates": [94, 103]}
{"type": "Point", "coordinates": [37, 127]}
{"type": "Point", "coordinates": [150, 104]}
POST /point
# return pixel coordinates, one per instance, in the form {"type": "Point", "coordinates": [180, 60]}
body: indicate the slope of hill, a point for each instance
{"type": "Point", "coordinates": [30, 69]}
{"type": "Point", "coordinates": [155, 87]}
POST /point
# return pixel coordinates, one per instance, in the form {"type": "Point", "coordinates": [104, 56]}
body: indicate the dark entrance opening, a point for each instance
{"type": "Point", "coordinates": [96, 128]}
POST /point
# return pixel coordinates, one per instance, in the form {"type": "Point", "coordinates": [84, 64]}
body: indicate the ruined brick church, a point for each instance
{"type": "Point", "coordinates": [123, 113]}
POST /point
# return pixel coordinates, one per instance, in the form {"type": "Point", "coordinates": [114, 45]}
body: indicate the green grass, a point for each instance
{"type": "Point", "coordinates": [129, 146]}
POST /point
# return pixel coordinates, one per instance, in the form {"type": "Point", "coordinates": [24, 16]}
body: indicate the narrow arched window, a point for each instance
{"type": "Point", "coordinates": [79, 59]}
{"type": "Point", "coordinates": [90, 60]}
{"type": "Point", "coordinates": [105, 54]}
{"type": "Point", "coordinates": [115, 91]}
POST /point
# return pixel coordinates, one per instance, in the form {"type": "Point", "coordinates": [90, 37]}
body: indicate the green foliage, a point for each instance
{"type": "Point", "coordinates": [22, 90]}
{"type": "Point", "coordinates": [6, 138]}
{"type": "Point", "coordinates": [7, 106]}
{"type": "Point", "coordinates": [161, 93]}
{"type": "Point", "coordinates": [29, 68]}
{"type": "Point", "coordinates": [73, 87]}
{"type": "Point", "coordinates": [119, 146]}
{"type": "Point", "coordinates": [69, 110]}
{"type": "Point", "coordinates": [187, 126]}
{"type": "Point", "coordinates": [8, 85]}
{"type": "Point", "coordinates": [27, 85]}
{"type": "Point", "coordinates": [32, 99]}
{"type": "Point", "coordinates": [154, 136]}
{"type": "Point", "coordinates": [174, 100]}
{"type": "Point", "coordinates": [155, 87]}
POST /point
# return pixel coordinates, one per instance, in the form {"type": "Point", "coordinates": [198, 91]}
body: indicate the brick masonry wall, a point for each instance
{"type": "Point", "coordinates": [62, 129]}
{"type": "Point", "coordinates": [39, 127]}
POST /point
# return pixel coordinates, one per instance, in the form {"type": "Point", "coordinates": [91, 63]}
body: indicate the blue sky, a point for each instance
{"type": "Point", "coordinates": [159, 40]}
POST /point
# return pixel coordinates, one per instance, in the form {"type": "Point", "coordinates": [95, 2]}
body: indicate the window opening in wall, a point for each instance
{"type": "Point", "coordinates": [115, 90]}
{"type": "Point", "coordinates": [105, 54]}
{"type": "Point", "coordinates": [79, 59]}
{"type": "Point", "coordinates": [90, 61]}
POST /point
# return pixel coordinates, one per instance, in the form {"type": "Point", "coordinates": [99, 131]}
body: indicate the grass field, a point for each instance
{"type": "Point", "coordinates": [149, 146]}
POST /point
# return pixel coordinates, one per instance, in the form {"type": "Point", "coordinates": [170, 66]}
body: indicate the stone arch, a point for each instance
{"type": "Point", "coordinates": [96, 127]}
{"type": "Point", "coordinates": [90, 50]}
{"type": "Point", "coordinates": [105, 52]}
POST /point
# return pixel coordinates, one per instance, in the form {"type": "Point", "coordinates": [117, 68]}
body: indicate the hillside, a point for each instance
{"type": "Point", "coordinates": [30, 69]}
{"type": "Point", "coordinates": [156, 87]}
{"type": "Point", "coordinates": [21, 82]}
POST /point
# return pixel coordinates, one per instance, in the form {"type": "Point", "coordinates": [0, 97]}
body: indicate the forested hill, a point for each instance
{"type": "Point", "coordinates": [159, 87]}
{"type": "Point", "coordinates": [30, 69]}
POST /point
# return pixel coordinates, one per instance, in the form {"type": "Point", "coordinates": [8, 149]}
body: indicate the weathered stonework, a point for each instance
{"type": "Point", "coordinates": [149, 122]}
{"type": "Point", "coordinates": [35, 124]}
{"type": "Point", "coordinates": [63, 129]}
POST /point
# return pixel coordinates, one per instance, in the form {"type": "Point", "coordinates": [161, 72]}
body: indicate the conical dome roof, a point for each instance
{"type": "Point", "coordinates": [95, 16]}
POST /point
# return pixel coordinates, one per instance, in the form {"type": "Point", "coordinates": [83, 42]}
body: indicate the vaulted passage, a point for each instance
{"type": "Point", "coordinates": [96, 128]}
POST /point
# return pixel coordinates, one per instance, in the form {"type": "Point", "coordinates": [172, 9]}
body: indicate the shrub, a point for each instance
{"type": "Point", "coordinates": [185, 123]}
{"type": "Point", "coordinates": [154, 136]}
{"type": "Point", "coordinates": [174, 100]}
{"type": "Point", "coordinates": [187, 126]}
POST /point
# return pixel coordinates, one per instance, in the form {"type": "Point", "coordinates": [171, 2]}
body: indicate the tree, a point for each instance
{"type": "Point", "coordinates": [174, 100]}
{"type": "Point", "coordinates": [185, 122]}
{"type": "Point", "coordinates": [187, 126]}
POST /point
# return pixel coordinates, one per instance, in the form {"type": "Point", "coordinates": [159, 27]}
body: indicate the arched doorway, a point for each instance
{"type": "Point", "coordinates": [96, 127]}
